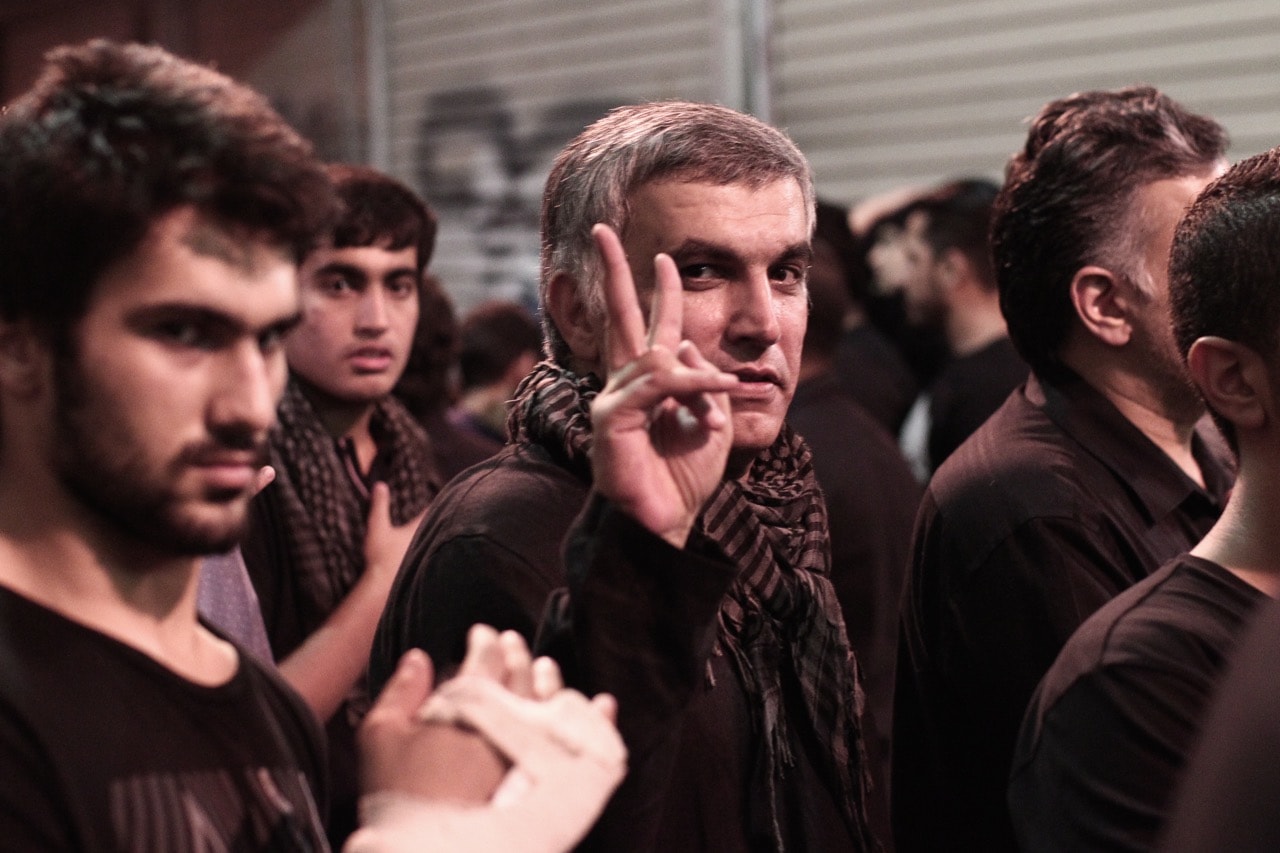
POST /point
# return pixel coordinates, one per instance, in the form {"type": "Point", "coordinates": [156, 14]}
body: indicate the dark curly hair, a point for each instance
{"type": "Point", "coordinates": [1067, 197]}
{"type": "Point", "coordinates": [112, 137]}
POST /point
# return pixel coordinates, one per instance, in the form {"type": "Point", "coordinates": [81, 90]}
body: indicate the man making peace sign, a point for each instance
{"type": "Point", "coordinates": [696, 551]}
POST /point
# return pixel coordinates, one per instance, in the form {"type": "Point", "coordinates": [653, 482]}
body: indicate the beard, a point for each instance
{"type": "Point", "coordinates": [104, 467]}
{"type": "Point", "coordinates": [1168, 377]}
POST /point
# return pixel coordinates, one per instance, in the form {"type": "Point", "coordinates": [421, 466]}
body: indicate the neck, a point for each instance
{"type": "Point", "coordinates": [344, 419]}
{"type": "Point", "coordinates": [1169, 427]}
{"type": "Point", "coordinates": [974, 326]}
{"type": "Point", "coordinates": [65, 557]}
{"type": "Point", "coordinates": [1246, 540]}
{"type": "Point", "coordinates": [489, 404]}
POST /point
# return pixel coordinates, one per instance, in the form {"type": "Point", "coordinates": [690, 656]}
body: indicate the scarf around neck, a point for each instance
{"type": "Point", "coordinates": [325, 514]}
{"type": "Point", "coordinates": [780, 620]}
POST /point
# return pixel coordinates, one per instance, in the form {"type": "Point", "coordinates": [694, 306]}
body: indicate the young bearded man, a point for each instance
{"type": "Point", "coordinates": [698, 576]}
{"type": "Point", "coordinates": [153, 214]}
{"type": "Point", "coordinates": [354, 469]}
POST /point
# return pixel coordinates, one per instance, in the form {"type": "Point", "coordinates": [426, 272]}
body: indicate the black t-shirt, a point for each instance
{"type": "Point", "coordinates": [1228, 795]}
{"type": "Point", "coordinates": [103, 748]}
{"type": "Point", "coordinates": [872, 498]}
{"type": "Point", "coordinates": [1056, 504]}
{"type": "Point", "coordinates": [967, 391]}
{"type": "Point", "coordinates": [1110, 727]}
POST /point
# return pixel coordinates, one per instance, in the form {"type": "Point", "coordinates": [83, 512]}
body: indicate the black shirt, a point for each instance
{"type": "Point", "coordinates": [1227, 798]}
{"type": "Point", "coordinates": [872, 498]}
{"type": "Point", "coordinates": [102, 748]}
{"type": "Point", "coordinates": [1109, 729]}
{"type": "Point", "coordinates": [874, 373]}
{"type": "Point", "coordinates": [967, 391]}
{"type": "Point", "coordinates": [1053, 506]}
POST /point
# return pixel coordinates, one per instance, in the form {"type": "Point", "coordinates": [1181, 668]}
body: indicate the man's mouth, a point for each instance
{"type": "Point", "coordinates": [756, 383]}
{"type": "Point", "coordinates": [371, 359]}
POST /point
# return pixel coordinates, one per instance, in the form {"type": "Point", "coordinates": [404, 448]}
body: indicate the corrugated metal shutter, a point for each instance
{"type": "Point", "coordinates": [878, 93]}
{"type": "Point", "coordinates": [483, 93]}
{"type": "Point", "coordinates": [881, 93]}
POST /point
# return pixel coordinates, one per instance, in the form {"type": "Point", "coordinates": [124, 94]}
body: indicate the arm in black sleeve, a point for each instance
{"type": "Point", "coordinates": [639, 621]}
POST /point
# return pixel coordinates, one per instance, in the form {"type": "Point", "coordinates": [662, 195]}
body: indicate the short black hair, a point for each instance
{"type": "Point", "coordinates": [1067, 196]}
{"type": "Point", "coordinates": [1224, 266]}
{"type": "Point", "coordinates": [112, 137]}
{"type": "Point", "coordinates": [377, 210]}
{"type": "Point", "coordinates": [958, 216]}
{"type": "Point", "coordinates": [492, 337]}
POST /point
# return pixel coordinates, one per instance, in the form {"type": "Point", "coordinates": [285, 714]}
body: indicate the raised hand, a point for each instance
{"type": "Point", "coordinates": [661, 427]}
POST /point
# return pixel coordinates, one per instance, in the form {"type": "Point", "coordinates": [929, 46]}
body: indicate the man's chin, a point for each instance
{"type": "Point", "coordinates": [209, 530]}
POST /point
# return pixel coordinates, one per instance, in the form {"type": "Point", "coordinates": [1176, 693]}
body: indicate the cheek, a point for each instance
{"type": "Point", "coordinates": [704, 324]}
{"type": "Point", "coordinates": [793, 320]}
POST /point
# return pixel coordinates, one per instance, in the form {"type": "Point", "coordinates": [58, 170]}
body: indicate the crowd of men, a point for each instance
{"type": "Point", "coordinates": [245, 603]}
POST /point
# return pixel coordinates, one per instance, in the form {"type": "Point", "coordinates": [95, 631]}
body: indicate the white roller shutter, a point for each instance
{"type": "Point", "coordinates": [879, 93]}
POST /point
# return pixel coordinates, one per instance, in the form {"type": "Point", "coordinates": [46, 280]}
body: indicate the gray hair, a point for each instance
{"type": "Point", "coordinates": [595, 175]}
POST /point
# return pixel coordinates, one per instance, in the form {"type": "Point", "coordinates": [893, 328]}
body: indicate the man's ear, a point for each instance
{"type": "Point", "coordinates": [1102, 301]}
{"type": "Point", "coordinates": [24, 359]}
{"type": "Point", "coordinates": [1233, 379]}
{"type": "Point", "coordinates": [568, 311]}
{"type": "Point", "coordinates": [951, 269]}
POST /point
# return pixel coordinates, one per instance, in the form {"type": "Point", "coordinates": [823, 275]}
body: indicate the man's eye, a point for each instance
{"type": "Point", "coordinates": [402, 286]}
{"type": "Point", "coordinates": [337, 284]}
{"type": "Point", "coordinates": [185, 335]}
{"type": "Point", "coordinates": [699, 275]}
{"type": "Point", "coordinates": [271, 340]}
{"type": "Point", "coordinates": [789, 276]}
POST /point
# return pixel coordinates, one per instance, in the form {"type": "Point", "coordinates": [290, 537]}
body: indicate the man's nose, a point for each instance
{"type": "Point", "coordinates": [247, 388]}
{"type": "Point", "coordinates": [755, 311]}
{"type": "Point", "coordinates": [371, 311]}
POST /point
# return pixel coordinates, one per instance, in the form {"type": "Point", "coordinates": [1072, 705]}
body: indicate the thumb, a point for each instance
{"type": "Point", "coordinates": [380, 505]}
{"type": "Point", "coordinates": [407, 688]}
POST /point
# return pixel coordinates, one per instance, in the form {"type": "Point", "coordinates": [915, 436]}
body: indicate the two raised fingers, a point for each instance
{"type": "Point", "coordinates": [627, 337]}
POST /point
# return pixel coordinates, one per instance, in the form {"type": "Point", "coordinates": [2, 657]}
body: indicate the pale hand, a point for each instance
{"type": "Point", "coordinates": [661, 427]}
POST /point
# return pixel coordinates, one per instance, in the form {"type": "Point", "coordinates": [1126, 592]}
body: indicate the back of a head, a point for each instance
{"type": "Point", "coordinates": [958, 216]}
{"type": "Point", "coordinates": [110, 138]}
{"type": "Point", "coordinates": [492, 337]}
{"type": "Point", "coordinates": [831, 227]}
{"type": "Point", "coordinates": [1066, 197]}
{"type": "Point", "coordinates": [1224, 267]}
{"type": "Point", "coordinates": [597, 172]}
{"type": "Point", "coordinates": [375, 209]}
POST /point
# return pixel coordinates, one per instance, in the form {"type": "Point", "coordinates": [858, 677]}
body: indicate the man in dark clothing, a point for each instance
{"type": "Point", "coordinates": [345, 451]}
{"type": "Point", "coordinates": [718, 630]}
{"type": "Point", "coordinates": [1226, 799]}
{"type": "Point", "coordinates": [153, 215]}
{"type": "Point", "coordinates": [868, 365]}
{"type": "Point", "coordinates": [871, 497]}
{"type": "Point", "coordinates": [1149, 661]}
{"type": "Point", "coordinates": [949, 285]}
{"type": "Point", "coordinates": [1086, 480]}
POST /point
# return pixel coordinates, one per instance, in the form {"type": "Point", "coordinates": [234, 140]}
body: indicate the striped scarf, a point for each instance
{"type": "Point", "coordinates": [780, 619]}
{"type": "Point", "coordinates": [325, 512]}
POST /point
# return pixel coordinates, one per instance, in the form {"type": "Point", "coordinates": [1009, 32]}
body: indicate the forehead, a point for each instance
{"type": "Point", "coordinates": [187, 259]}
{"type": "Point", "coordinates": [374, 260]}
{"type": "Point", "coordinates": [668, 213]}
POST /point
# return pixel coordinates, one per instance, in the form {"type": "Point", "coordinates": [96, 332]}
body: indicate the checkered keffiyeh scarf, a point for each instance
{"type": "Point", "coordinates": [780, 619]}
{"type": "Point", "coordinates": [325, 513]}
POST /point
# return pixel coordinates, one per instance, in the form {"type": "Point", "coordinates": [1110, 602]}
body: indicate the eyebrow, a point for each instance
{"type": "Point", "coordinates": [692, 247]}
{"type": "Point", "coordinates": [149, 315]}
{"type": "Point", "coordinates": [358, 272]}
